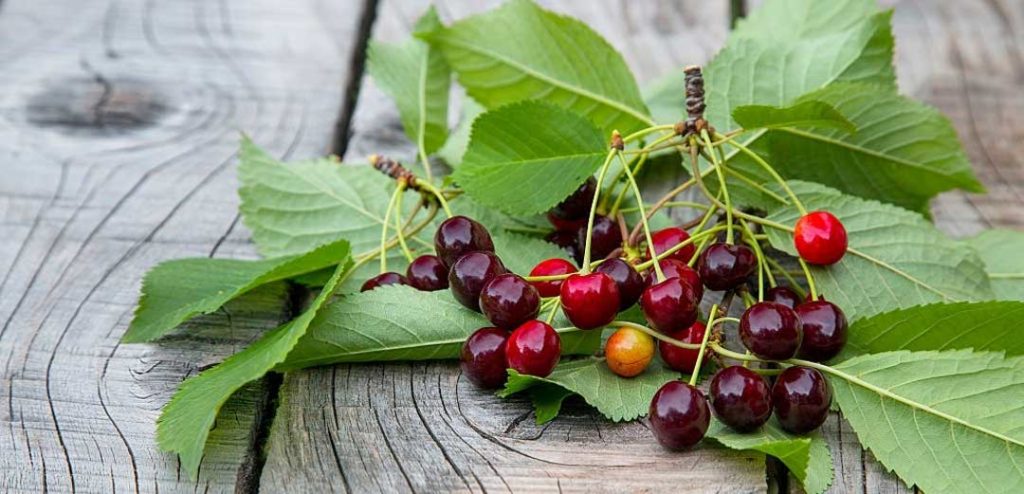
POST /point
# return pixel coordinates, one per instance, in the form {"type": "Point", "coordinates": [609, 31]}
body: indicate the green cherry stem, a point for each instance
{"type": "Point", "coordinates": [660, 204]}
{"type": "Point", "coordinates": [593, 208]}
{"type": "Point", "coordinates": [762, 265]}
{"type": "Point", "coordinates": [721, 181]}
{"type": "Point", "coordinates": [785, 273]}
{"type": "Point", "coordinates": [753, 184]}
{"type": "Point", "coordinates": [398, 224]}
{"type": "Point", "coordinates": [810, 278]}
{"type": "Point", "coordinates": [656, 334]}
{"type": "Point", "coordinates": [703, 345]}
{"type": "Point", "coordinates": [436, 193]}
{"type": "Point", "coordinates": [644, 153]}
{"type": "Point", "coordinates": [384, 227]}
{"type": "Point", "coordinates": [698, 236]}
{"type": "Point", "coordinates": [768, 168]}
{"type": "Point", "coordinates": [554, 310]}
{"type": "Point", "coordinates": [669, 204]}
{"type": "Point", "coordinates": [643, 219]}
{"type": "Point", "coordinates": [649, 130]}
{"type": "Point", "coordinates": [725, 352]}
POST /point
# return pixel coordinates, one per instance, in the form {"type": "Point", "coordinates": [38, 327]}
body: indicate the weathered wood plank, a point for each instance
{"type": "Point", "coordinates": [120, 125]}
{"type": "Point", "coordinates": [422, 427]}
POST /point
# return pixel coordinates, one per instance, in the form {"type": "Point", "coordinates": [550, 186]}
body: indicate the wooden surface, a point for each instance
{"type": "Point", "coordinates": [119, 124]}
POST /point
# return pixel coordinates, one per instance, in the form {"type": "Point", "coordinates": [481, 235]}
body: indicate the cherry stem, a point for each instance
{"type": "Point", "coordinates": [672, 204]}
{"type": "Point", "coordinates": [593, 209]}
{"type": "Point", "coordinates": [436, 193]}
{"type": "Point", "coordinates": [661, 203]}
{"type": "Point", "coordinates": [753, 184]}
{"type": "Point", "coordinates": [642, 132]}
{"type": "Point", "coordinates": [553, 310]}
{"type": "Point", "coordinates": [644, 153]}
{"type": "Point", "coordinates": [768, 168]}
{"type": "Point", "coordinates": [762, 265]}
{"type": "Point", "coordinates": [721, 180]}
{"type": "Point", "coordinates": [398, 223]}
{"type": "Point", "coordinates": [703, 345]}
{"type": "Point", "coordinates": [699, 236]}
{"type": "Point", "coordinates": [810, 278]}
{"type": "Point", "coordinates": [656, 335]}
{"type": "Point", "coordinates": [384, 227]}
{"type": "Point", "coordinates": [643, 219]}
{"type": "Point", "coordinates": [785, 273]}
{"type": "Point", "coordinates": [615, 207]}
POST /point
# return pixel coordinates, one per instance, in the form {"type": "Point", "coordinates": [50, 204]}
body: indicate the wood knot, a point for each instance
{"type": "Point", "coordinates": [96, 105]}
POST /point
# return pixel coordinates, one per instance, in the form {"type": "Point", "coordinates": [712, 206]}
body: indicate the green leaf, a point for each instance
{"type": "Point", "coordinates": [520, 253]}
{"type": "Point", "coordinates": [807, 457]}
{"type": "Point", "coordinates": [1000, 250]}
{"type": "Point", "coordinates": [417, 78]}
{"type": "Point", "coordinates": [982, 326]}
{"type": "Point", "coordinates": [186, 420]}
{"type": "Point", "coordinates": [666, 97]}
{"type": "Point", "coordinates": [455, 147]}
{"type": "Point", "coordinates": [810, 113]}
{"type": "Point", "coordinates": [175, 291]}
{"type": "Point", "coordinates": [395, 323]}
{"type": "Point", "coordinates": [547, 401]}
{"type": "Point", "coordinates": [520, 51]}
{"type": "Point", "coordinates": [947, 422]}
{"type": "Point", "coordinates": [527, 157]}
{"type": "Point", "coordinates": [896, 259]}
{"type": "Point", "coordinates": [615, 397]}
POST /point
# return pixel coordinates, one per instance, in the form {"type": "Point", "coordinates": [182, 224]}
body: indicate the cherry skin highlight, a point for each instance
{"type": "Point", "coordinates": [458, 236]}
{"type": "Point", "coordinates": [820, 238]}
{"type": "Point", "coordinates": [669, 305]}
{"type": "Point", "coordinates": [483, 358]}
{"type": "Point", "coordinates": [427, 273]}
{"type": "Point", "coordinates": [667, 238]}
{"type": "Point", "coordinates": [723, 266]}
{"type": "Point", "coordinates": [824, 330]}
{"type": "Point", "coordinates": [783, 295]}
{"type": "Point", "coordinates": [674, 268]}
{"type": "Point", "coordinates": [589, 300]}
{"type": "Point", "coordinates": [551, 267]}
{"type": "Point", "coordinates": [383, 279]}
{"type": "Point", "coordinates": [679, 415]}
{"type": "Point", "coordinates": [628, 352]}
{"type": "Point", "coordinates": [469, 275]}
{"type": "Point", "coordinates": [801, 397]}
{"type": "Point", "coordinates": [605, 238]}
{"type": "Point", "coordinates": [682, 359]}
{"type": "Point", "coordinates": [533, 348]}
{"type": "Point", "coordinates": [740, 398]}
{"type": "Point", "coordinates": [507, 300]}
{"type": "Point", "coordinates": [770, 331]}
{"type": "Point", "coordinates": [627, 279]}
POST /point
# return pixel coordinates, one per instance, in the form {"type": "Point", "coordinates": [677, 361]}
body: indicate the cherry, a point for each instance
{"type": "Point", "coordinates": [770, 330]}
{"type": "Point", "coordinates": [801, 397]}
{"type": "Point", "coordinates": [740, 398]}
{"type": "Point", "coordinates": [589, 300]}
{"type": "Point", "coordinates": [674, 268]}
{"type": "Point", "coordinates": [667, 238]}
{"type": "Point", "coordinates": [470, 273]}
{"type": "Point", "coordinates": [605, 238]}
{"type": "Point", "coordinates": [824, 330]}
{"type": "Point", "coordinates": [567, 241]}
{"type": "Point", "coordinates": [627, 280]}
{"type": "Point", "coordinates": [389, 278]}
{"type": "Point", "coordinates": [551, 267]}
{"type": "Point", "coordinates": [460, 235]}
{"type": "Point", "coordinates": [563, 225]}
{"type": "Point", "coordinates": [783, 295]}
{"type": "Point", "coordinates": [427, 273]}
{"type": "Point", "coordinates": [682, 359]}
{"type": "Point", "coordinates": [533, 348]}
{"type": "Point", "coordinates": [577, 205]}
{"type": "Point", "coordinates": [679, 415]}
{"type": "Point", "coordinates": [628, 352]}
{"type": "Point", "coordinates": [483, 357]}
{"type": "Point", "coordinates": [669, 305]}
{"type": "Point", "coordinates": [820, 238]}
{"type": "Point", "coordinates": [724, 266]}
{"type": "Point", "coordinates": [507, 301]}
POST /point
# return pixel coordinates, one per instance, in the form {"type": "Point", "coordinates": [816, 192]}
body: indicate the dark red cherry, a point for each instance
{"type": "Point", "coordinates": [723, 266]}
{"type": "Point", "coordinates": [507, 301]}
{"type": "Point", "coordinates": [674, 268]}
{"type": "Point", "coordinates": [577, 205]}
{"type": "Point", "coordinates": [460, 235]}
{"type": "Point", "coordinates": [389, 278]}
{"type": "Point", "coordinates": [669, 305]}
{"type": "Point", "coordinates": [427, 273]}
{"type": "Point", "coordinates": [740, 398]}
{"type": "Point", "coordinates": [820, 238]}
{"type": "Point", "coordinates": [469, 275]}
{"type": "Point", "coordinates": [627, 280]}
{"type": "Point", "coordinates": [483, 357]}
{"type": "Point", "coordinates": [551, 267]}
{"type": "Point", "coordinates": [567, 241]}
{"type": "Point", "coordinates": [667, 238]}
{"type": "Point", "coordinates": [783, 295]}
{"type": "Point", "coordinates": [605, 238]}
{"type": "Point", "coordinates": [682, 359]}
{"type": "Point", "coordinates": [801, 397]}
{"type": "Point", "coordinates": [589, 300]}
{"type": "Point", "coordinates": [824, 330]}
{"type": "Point", "coordinates": [679, 415]}
{"type": "Point", "coordinates": [563, 225]}
{"type": "Point", "coordinates": [533, 348]}
{"type": "Point", "coordinates": [770, 330]}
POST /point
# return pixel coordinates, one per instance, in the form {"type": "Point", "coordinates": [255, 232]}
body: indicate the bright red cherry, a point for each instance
{"type": "Point", "coordinates": [469, 275]}
{"type": "Point", "coordinates": [770, 330]}
{"type": "Point", "coordinates": [667, 238]}
{"type": "Point", "coordinates": [820, 238]}
{"type": "Point", "coordinates": [567, 241]}
{"type": "Point", "coordinates": [483, 357]}
{"type": "Point", "coordinates": [682, 359]}
{"type": "Point", "coordinates": [551, 267]}
{"type": "Point", "coordinates": [674, 268]}
{"type": "Point", "coordinates": [669, 305]}
{"type": "Point", "coordinates": [577, 205]}
{"type": "Point", "coordinates": [740, 398]}
{"type": "Point", "coordinates": [626, 278]}
{"type": "Point", "coordinates": [605, 238]}
{"type": "Point", "coordinates": [427, 273]}
{"type": "Point", "coordinates": [590, 300]}
{"type": "Point", "coordinates": [724, 266]}
{"type": "Point", "coordinates": [507, 300]}
{"type": "Point", "coordinates": [533, 348]}
{"type": "Point", "coordinates": [383, 279]}
{"type": "Point", "coordinates": [783, 295]}
{"type": "Point", "coordinates": [824, 330]}
{"type": "Point", "coordinates": [679, 415]}
{"type": "Point", "coordinates": [460, 235]}
{"type": "Point", "coordinates": [801, 397]}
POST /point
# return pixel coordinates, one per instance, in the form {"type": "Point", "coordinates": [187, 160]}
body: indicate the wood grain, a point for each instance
{"type": "Point", "coordinates": [119, 125]}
